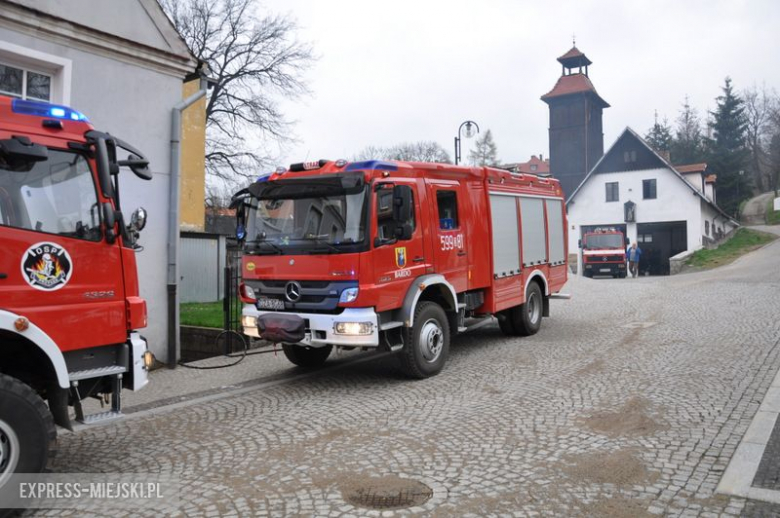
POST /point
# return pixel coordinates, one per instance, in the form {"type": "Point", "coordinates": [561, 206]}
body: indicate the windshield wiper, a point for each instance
{"type": "Point", "coordinates": [255, 242]}
{"type": "Point", "coordinates": [329, 248]}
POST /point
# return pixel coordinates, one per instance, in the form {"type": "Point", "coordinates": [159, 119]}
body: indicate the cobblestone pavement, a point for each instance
{"type": "Point", "coordinates": [629, 402]}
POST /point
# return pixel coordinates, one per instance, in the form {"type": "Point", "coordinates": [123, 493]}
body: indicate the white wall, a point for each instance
{"type": "Point", "coordinates": [675, 202]}
{"type": "Point", "coordinates": [133, 103]}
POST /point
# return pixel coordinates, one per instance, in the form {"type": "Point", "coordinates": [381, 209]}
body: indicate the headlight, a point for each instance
{"type": "Point", "coordinates": [248, 321]}
{"type": "Point", "coordinates": [348, 295]}
{"type": "Point", "coordinates": [353, 328]}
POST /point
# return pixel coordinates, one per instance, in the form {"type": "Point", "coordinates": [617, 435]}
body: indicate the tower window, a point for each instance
{"type": "Point", "coordinates": [613, 193]}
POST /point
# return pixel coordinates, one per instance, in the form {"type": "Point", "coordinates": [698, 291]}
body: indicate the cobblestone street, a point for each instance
{"type": "Point", "coordinates": [630, 401]}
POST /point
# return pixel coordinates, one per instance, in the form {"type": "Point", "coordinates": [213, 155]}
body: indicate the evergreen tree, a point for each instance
{"type": "Point", "coordinates": [727, 152]}
{"type": "Point", "coordinates": [688, 142]}
{"type": "Point", "coordinates": [485, 152]}
{"type": "Point", "coordinates": [660, 137]}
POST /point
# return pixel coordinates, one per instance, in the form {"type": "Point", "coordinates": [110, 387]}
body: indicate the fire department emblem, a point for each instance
{"type": "Point", "coordinates": [46, 266]}
{"type": "Point", "coordinates": [400, 257]}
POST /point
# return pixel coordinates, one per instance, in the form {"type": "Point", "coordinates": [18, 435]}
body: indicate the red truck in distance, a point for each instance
{"type": "Point", "coordinates": [604, 253]}
{"type": "Point", "coordinates": [70, 308]}
{"type": "Point", "coordinates": [397, 256]}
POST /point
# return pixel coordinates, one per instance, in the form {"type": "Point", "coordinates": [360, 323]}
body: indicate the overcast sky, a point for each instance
{"type": "Point", "coordinates": [407, 70]}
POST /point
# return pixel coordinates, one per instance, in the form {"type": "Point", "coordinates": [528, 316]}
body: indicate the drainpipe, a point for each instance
{"type": "Point", "coordinates": [174, 204]}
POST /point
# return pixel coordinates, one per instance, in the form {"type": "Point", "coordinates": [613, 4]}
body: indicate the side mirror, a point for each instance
{"type": "Point", "coordinates": [579, 243]}
{"type": "Point", "coordinates": [109, 217]}
{"type": "Point", "coordinates": [140, 166]}
{"type": "Point", "coordinates": [138, 219]}
{"type": "Point", "coordinates": [19, 154]}
{"type": "Point", "coordinates": [402, 203]}
{"type": "Point", "coordinates": [240, 223]}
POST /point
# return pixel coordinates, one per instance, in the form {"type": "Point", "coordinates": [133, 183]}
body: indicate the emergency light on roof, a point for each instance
{"type": "Point", "coordinates": [307, 166]}
{"type": "Point", "coordinates": [43, 109]}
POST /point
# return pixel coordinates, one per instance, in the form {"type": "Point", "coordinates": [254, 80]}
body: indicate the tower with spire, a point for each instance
{"type": "Point", "coordinates": [575, 131]}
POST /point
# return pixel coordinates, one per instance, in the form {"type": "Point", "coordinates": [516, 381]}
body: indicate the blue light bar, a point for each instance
{"type": "Point", "coordinates": [372, 164]}
{"type": "Point", "coordinates": [44, 109]}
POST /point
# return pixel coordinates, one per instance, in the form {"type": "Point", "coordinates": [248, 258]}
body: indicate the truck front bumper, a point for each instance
{"type": "Point", "coordinates": [353, 327]}
{"type": "Point", "coordinates": [605, 268]}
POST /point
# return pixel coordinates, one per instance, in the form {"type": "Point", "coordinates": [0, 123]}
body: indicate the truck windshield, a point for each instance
{"type": "Point", "coordinates": [318, 224]}
{"type": "Point", "coordinates": [594, 241]}
{"type": "Point", "coordinates": [56, 196]}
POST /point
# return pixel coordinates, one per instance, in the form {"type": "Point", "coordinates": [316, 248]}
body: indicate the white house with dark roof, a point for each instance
{"type": "Point", "coordinates": [666, 209]}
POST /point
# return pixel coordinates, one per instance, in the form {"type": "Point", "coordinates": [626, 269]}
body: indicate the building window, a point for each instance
{"type": "Point", "coordinates": [706, 228]}
{"type": "Point", "coordinates": [613, 193]}
{"type": "Point", "coordinates": [629, 156]}
{"type": "Point", "coordinates": [534, 167]}
{"type": "Point", "coordinates": [447, 202]}
{"type": "Point", "coordinates": [649, 189]}
{"type": "Point", "coordinates": [24, 84]}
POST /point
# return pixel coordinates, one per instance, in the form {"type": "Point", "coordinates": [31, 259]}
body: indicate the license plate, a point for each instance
{"type": "Point", "coordinates": [266, 303]}
{"type": "Point", "coordinates": [605, 270]}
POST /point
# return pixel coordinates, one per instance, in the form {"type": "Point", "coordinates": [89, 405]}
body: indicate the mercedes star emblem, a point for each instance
{"type": "Point", "coordinates": [292, 291]}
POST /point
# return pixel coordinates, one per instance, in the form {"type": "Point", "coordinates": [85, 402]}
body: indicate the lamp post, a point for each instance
{"type": "Point", "coordinates": [739, 196]}
{"type": "Point", "coordinates": [470, 127]}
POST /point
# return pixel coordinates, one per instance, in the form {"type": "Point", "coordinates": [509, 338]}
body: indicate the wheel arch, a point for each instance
{"type": "Point", "coordinates": [434, 288]}
{"type": "Point", "coordinates": [539, 277]}
{"type": "Point", "coordinates": [32, 344]}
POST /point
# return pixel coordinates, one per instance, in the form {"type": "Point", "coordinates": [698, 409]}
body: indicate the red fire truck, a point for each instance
{"type": "Point", "coordinates": [69, 301]}
{"type": "Point", "coordinates": [604, 253]}
{"type": "Point", "coordinates": [397, 256]}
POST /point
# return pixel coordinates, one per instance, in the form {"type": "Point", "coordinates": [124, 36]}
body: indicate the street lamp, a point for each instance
{"type": "Point", "coordinates": [739, 184]}
{"type": "Point", "coordinates": [470, 127]}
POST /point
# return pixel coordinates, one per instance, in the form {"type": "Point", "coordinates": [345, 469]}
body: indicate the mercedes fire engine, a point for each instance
{"type": "Point", "coordinates": [396, 256]}
{"type": "Point", "coordinates": [604, 253]}
{"type": "Point", "coordinates": [69, 300]}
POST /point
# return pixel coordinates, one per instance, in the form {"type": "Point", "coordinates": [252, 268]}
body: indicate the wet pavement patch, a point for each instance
{"type": "Point", "coordinates": [631, 419]}
{"type": "Point", "coordinates": [389, 492]}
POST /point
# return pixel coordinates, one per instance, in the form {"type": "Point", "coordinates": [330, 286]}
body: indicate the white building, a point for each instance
{"type": "Point", "coordinates": [122, 64]}
{"type": "Point", "coordinates": [666, 209]}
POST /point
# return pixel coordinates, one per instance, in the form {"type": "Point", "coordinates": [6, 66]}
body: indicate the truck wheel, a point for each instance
{"type": "Point", "coordinates": [28, 438]}
{"type": "Point", "coordinates": [527, 317]}
{"type": "Point", "coordinates": [427, 343]}
{"type": "Point", "coordinates": [307, 357]}
{"type": "Point", "coordinates": [505, 322]}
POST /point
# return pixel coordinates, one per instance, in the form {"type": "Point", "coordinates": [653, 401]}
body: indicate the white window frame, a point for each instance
{"type": "Point", "coordinates": [57, 68]}
{"type": "Point", "coordinates": [25, 72]}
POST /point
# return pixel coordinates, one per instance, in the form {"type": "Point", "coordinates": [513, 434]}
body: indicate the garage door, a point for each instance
{"type": "Point", "coordinates": [659, 242]}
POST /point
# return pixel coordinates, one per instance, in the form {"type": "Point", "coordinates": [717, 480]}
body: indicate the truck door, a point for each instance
{"type": "Point", "coordinates": [396, 262]}
{"type": "Point", "coordinates": [56, 268]}
{"type": "Point", "coordinates": [448, 200]}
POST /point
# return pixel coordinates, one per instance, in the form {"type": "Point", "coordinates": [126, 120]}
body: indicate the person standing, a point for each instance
{"type": "Point", "coordinates": [633, 254]}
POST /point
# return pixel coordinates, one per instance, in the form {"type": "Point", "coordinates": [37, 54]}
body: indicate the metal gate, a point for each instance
{"type": "Point", "coordinates": [231, 303]}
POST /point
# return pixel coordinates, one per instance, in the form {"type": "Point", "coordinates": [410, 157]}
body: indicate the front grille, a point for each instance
{"type": "Point", "coordinates": [315, 285]}
{"type": "Point", "coordinates": [316, 296]}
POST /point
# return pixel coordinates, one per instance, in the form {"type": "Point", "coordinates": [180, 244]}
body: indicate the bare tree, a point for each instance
{"type": "Point", "coordinates": [255, 61]}
{"type": "Point", "coordinates": [688, 142]}
{"type": "Point", "coordinates": [421, 151]}
{"type": "Point", "coordinates": [759, 106]}
{"type": "Point", "coordinates": [485, 152]}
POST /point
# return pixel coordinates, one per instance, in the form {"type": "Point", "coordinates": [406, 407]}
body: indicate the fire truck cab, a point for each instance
{"type": "Point", "coordinates": [70, 308]}
{"type": "Point", "coordinates": [397, 256]}
{"type": "Point", "coordinates": [604, 253]}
